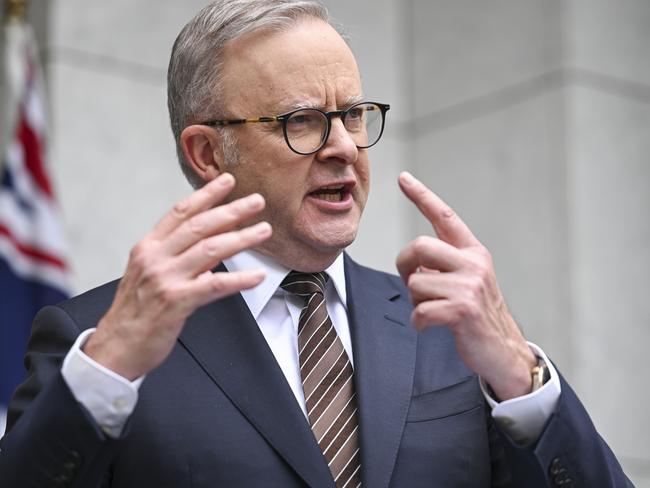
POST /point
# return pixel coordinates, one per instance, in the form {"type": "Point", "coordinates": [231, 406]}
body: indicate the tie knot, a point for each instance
{"type": "Point", "coordinates": [305, 284]}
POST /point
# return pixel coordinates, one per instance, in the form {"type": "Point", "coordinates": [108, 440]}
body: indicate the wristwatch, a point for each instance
{"type": "Point", "coordinates": [540, 374]}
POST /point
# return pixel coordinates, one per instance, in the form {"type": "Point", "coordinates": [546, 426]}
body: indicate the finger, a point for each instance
{"type": "Point", "coordinates": [428, 252]}
{"type": "Point", "coordinates": [433, 312]}
{"type": "Point", "coordinates": [448, 226]}
{"type": "Point", "coordinates": [209, 195]}
{"type": "Point", "coordinates": [217, 220]}
{"type": "Point", "coordinates": [206, 254]}
{"type": "Point", "coordinates": [210, 286]}
{"type": "Point", "coordinates": [429, 286]}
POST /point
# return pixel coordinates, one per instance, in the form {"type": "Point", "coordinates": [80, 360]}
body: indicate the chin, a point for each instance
{"type": "Point", "coordinates": [333, 242]}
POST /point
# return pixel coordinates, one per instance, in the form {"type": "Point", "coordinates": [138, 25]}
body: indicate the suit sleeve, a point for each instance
{"type": "Point", "coordinates": [51, 439]}
{"type": "Point", "coordinates": [569, 452]}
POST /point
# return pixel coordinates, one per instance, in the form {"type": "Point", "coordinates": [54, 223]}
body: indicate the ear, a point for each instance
{"type": "Point", "coordinates": [203, 151]}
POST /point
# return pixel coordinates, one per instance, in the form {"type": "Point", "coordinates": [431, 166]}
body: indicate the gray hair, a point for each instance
{"type": "Point", "coordinates": [193, 76]}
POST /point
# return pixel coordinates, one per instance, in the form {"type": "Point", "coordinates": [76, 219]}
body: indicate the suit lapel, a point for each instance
{"type": "Point", "coordinates": [384, 348]}
{"type": "Point", "coordinates": [226, 341]}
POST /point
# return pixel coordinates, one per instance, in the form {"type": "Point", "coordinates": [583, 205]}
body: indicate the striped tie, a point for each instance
{"type": "Point", "coordinates": [327, 380]}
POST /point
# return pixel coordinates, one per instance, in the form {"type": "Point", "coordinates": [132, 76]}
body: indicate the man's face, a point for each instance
{"type": "Point", "coordinates": [272, 73]}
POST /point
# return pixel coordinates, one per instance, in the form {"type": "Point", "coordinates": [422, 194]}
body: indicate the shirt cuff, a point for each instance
{"type": "Point", "coordinates": [108, 397]}
{"type": "Point", "coordinates": [523, 418]}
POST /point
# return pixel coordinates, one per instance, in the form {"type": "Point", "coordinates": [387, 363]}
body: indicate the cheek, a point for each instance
{"type": "Point", "coordinates": [362, 169]}
{"type": "Point", "coordinates": [283, 193]}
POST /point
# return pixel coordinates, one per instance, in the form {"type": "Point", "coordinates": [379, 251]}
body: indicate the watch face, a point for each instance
{"type": "Point", "coordinates": [547, 374]}
{"type": "Point", "coordinates": [541, 374]}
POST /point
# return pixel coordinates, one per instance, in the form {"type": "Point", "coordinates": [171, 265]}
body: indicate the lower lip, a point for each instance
{"type": "Point", "coordinates": [342, 205]}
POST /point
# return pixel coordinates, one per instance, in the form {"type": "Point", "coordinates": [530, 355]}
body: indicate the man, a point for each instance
{"type": "Point", "coordinates": [212, 363]}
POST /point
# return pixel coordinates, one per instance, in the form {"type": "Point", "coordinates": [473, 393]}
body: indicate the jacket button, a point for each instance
{"type": "Point", "coordinates": [560, 479]}
{"type": "Point", "coordinates": [556, 467]}
{"type": "Point", "coordinates": [61, 480]}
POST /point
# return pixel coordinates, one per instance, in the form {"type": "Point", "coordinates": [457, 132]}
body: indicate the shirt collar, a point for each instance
{"type": "Point", "coordinates": [256, 298]}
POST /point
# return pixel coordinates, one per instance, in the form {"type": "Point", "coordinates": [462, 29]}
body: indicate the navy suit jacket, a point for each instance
{"type": "Point", "coordinates": [219, 412]}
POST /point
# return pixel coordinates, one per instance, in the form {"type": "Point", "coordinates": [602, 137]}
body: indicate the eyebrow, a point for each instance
{"type": "Point", "coordinates": [352, 99]}
{"type": "Point", "coordinates": [297, 105]}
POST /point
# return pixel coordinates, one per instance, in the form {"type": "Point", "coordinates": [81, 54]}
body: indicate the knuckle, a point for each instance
{"type": "Point", "coordinates": [484, 253]}
{"type": "Point", "coordinates": [475, 284]}
{"type": "Point", "coordinates": [168, 296]}
{"type": "Point", "coordinates": [139, 249]}
{"type": "Point", "coordinates": [467, 310]}
{"type": "Point", "coordinates": [481, 271]}
{"type": "Point", "coordinates": [474, 290]}
{"type": "Point", "coordinates": [154, 278]}
{"type": "Point", "coordinates": [422, 193]}
{"type": "Point", "coordinates": [181, 209]}
{"type": "Point", "coordinates": [419, 314]}
{"type": "Point", "coordinates": [447, 213]}
{"type": "Point", "coordinates": [482, 259]}
{"type": "Point", "coordinates": [421, 243]}
{"type": "Point", "coordinates": [211, 247]}
{"type": "Point", "coordinates": [218, 283]}
{"type": "Point", "coordinates": [139, 257]}
{"type": "Point", "coordinates": [196, 225]}
{"type": "Point", "coordinates": [232, 212]}
{"type": "Point", "coordinates": [417, 284]}
{"type": "Point", "coordinates": [412, 282]}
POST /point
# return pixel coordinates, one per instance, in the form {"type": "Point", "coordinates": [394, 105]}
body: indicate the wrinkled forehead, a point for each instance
{"type": "Point", "coordinates": [307, 64]}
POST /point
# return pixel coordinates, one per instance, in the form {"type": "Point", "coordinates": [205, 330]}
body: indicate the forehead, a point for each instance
{"type": "Point", "coordinates": [309, 64]}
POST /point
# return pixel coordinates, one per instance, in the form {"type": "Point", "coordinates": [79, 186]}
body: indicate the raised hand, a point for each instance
{"type": "Point", "coordinates": [452, 283]}
{"type": "Point", "coordinates": [169, 275]}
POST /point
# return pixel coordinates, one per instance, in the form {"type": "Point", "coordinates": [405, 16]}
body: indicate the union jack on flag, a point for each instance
{"type": "Point", "coordinates": [33, 271]}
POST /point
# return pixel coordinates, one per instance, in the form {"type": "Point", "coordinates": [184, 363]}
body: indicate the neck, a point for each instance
{"type": "Point", "coordinates": [305, 262]}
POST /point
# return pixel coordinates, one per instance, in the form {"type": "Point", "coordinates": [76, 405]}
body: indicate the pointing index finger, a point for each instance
{"type": "Point", "coordinates": [448, 226]}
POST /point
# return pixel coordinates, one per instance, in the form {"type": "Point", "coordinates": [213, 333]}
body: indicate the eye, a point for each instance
{"type": "Point", "coordinates": [306, 120]}
{"type": "Point", "coordinates": [354, 118]}
{"type": "Point", "coordinates": [355, 113]}
{"type": "Point", "coordinates": [306, 116]}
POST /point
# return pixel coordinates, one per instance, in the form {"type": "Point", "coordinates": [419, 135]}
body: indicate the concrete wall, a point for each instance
{"type": "Point", "coordinates": [608, 166]}
{"type": "Point", "coordinates": [530, 117]}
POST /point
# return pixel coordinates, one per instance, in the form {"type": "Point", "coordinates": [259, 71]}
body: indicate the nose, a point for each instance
{"type": "Point", "coordinates": [339, 146]}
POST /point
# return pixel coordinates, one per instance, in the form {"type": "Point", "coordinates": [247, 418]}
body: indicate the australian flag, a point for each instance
{"type": "Point", "coordinates": [33, 271]}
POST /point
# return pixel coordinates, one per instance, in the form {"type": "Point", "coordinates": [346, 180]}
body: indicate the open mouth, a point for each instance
{"type": "Point", "coordinates": [334, 193]}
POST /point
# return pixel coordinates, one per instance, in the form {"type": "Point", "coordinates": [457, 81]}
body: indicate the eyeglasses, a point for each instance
{"type": "Point", "coordinates": [306, 129]}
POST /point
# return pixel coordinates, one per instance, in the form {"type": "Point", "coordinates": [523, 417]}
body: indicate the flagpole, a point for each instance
{"type": "Point", "coordinates": [15, 15]}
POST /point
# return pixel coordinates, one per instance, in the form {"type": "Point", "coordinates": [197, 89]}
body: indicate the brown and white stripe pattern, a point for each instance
{"type": "Point", "coordinates": [327, 380]}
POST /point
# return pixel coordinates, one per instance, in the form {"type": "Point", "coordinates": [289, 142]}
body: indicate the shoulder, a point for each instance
{"type": "Point", "coordinates": [88, 308]}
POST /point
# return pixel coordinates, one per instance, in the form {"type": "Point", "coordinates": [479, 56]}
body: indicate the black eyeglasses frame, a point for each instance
{"type": "Point", "coordinates": [283, 118]}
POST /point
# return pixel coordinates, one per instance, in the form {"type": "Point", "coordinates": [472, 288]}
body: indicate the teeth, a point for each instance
{"type": "Point", "coordinates": [330, 197]}
{"type": "Point", "coordinates": [332, 193]}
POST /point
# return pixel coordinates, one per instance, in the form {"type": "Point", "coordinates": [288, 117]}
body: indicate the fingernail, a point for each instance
{"type": "Point", "coordinates": [262, 228]}
{"type": "Point", "coordinates": [407, 177]}
{"type": "Point", "coordinates": [225, 179]}
{"type": "Point", "coordinates": [254, 201]}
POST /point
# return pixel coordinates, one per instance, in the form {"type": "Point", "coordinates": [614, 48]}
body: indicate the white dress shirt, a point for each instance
{"type": "Point", "coordinates": [110, 398]}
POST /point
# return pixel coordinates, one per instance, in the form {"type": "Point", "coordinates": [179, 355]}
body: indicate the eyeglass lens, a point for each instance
{"type": "Point", "coordinates": [306, 129]}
